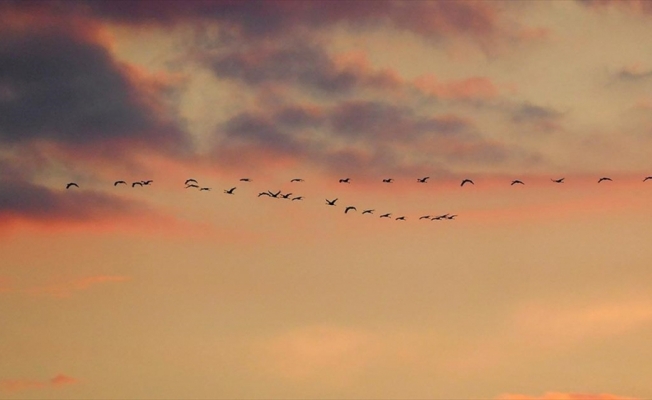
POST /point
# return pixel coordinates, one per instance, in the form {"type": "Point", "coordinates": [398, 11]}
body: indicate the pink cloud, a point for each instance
{"type": "Point", "coordinates": [15, 385]}
{"type": "Point", "coordinates": [473, 88]}
{"type": "Point", "coordinates": [564, 396]}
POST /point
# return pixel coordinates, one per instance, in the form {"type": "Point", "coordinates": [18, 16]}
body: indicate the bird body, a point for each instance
{"type": "Point", "coordinates": [345, 180]}
{"type": "Point", "coordinates": [425, 217]}
{"type": "Point", "coordinates": [119, 182]}
{"type": "Point", "coordinates": [560, 180]}
{"type": "Point", "coordinates": [137, 183]}
{"type": "Point", "coordinates": [192, 185]}
{"type": "Point", "coordinates": [423, 180]}
{"type": "Point", "coordinates": [388, 180]}
{"type": "Point", "coordinates": [400, 218]}
{"type": "Point", "coordinates": [204, 188]}
{"type": "Point", "coordinates": [146, 182]}
{"type": "Point", "coordinates": [286, 196]}
{"type": "Point", "coordinates": [230, 191]}
{"type": "Point", "coordinates": [297, 198]}
{"type": "Point", "coordinates": [368, 212]}
{"type": "Point", "coordinates": [275, 195]}
{"type": "Point", "coordinates": [467, 181]}
{"type": "Point", "coordinates": [349, 208]}
{"type": "Point", "coordinates": [296, 180]}
{"type": "Point", "coordinates": [647, 178]}
{"type": "Point", "coordinates": [191, 180]}
{"type": "Point", "coordinates": [514, 182]}
{"type": "Point", "coordinates": [388, 215]}
{"type": "Point", "coordinates": [245, 180]}
{"type": "Point", "coordinates": [71, 184]}
{"type": "Point", "coordinates": [331, 202]}
{"type": "Point", "coordinates": [604, 178]}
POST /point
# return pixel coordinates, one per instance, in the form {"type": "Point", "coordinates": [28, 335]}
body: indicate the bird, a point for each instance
{"type": "Point", "coordinates": [275, 195]}
{"type": "Point", "coordinates": [604, 178]}
{"type": "Point", "coordinates": [147, 182]}
{"type": "Point", "coordinates": [514, 182]}
{"type": "Point", "coordinates": [423, 180]}
{"type": "Point", "coordinates": [263, 194]}
{"type": "Point", "coordinates": [646, 178]}
{"type": "Point", "coordinates": [561, 180]}
{"type": "Point", "coordinates": [467, 181]}
{"type": "Point", "coordinates": [191, 180]}
{"type": "Point", "coordinates": [368, 212]}
{"type": "Point", "coordinates": [388, 180]}
{"type": "Point", "coordinates": [388, 215]}
{"type": "Point", "coordinates": [119, 182]}
{"type": "Point", "coordinates": [452, 216]}
{"type": "Point", "coordinates": [425, 217]}
{"type": "Point", "coordinates": [400, 218]}
{"type": "Point", "coordinates": [286, 195]}
{"type": "Point", "coordinates": [297, 198]}
{"type": "Point", "coordinates": [331, 202]}
{"type": "Point", "coordinates": [230, 191]}
{"type": "Point", "coordinates": [437, 218]}
{"type": "Point", "coordinates": [68, 186]}
{"type": "Point", "coordinates": [296, 180]}
{"type": "Point", "coordinates": [192, 185]}
{"type": "Point", "coordinates": [204, 188]}
{"type": "Point", "coordinates": [346, 180]}
{"type": "Point", "coordinates": [137, 183]}
{"type": "Point", "coordinates": [245, 180]}
{"type": "Point", "coordinates": [349, 208]}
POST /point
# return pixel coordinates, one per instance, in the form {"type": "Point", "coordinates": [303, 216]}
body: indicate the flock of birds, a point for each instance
{"type": "Point", "coordinates": [194, 184]}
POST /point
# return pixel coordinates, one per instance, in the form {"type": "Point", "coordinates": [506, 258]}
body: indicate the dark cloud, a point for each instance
{"type": "Point", "coordinates": [62, 88]}
{"type": "Point", "coordinates": [24, 200]}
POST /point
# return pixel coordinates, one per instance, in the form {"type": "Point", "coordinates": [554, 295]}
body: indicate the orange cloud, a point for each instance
{"type": "Point", "coordinates": [15, 385]}
{"type": "Point", "coordinates": [564, 396]}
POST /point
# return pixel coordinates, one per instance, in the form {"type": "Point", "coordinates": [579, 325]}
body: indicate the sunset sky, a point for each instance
{"type": "Point", "coordinates": [541, 291]}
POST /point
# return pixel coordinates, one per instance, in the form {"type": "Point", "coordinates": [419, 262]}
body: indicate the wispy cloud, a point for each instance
{"type": "Point", "coordinates": [16, 385]}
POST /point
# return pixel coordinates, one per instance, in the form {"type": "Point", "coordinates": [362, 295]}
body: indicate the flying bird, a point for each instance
{"type": "Point", "coordinates": [296, 180]}
{"type": "Point", "coordinates": [344, 180]}
{"type": "Point", "coordinates": [514, 182]}
{"type": "Point", "coordinates": [147, 182]}
{"type": "Point", "coordinates": [467, 181]}
{"type": "Point", "coordinates": [437, 218]}
{"type": "Point", "coordinates": [349, 208]}
{"type": "Point", "coordinates": [68, 186]}
{"type": "Point", "coordinates": [646, 178]}
{"type": "Point", "coordinates": [604, 178]}
{"type": "Point", "coordinates": [137, 183]}
{"type": "Point", "coordinates": [245, 180]}
{"type": "Point", "coordinates": [388, 180]}
{"type": "Point", "coordinates": [116, 183]}
{"type": "Point", "coordinates": [423, 180]}
{"type": "Point", "coordinates": [452, 216]}
{"type": "Point", "coordinates": [275, 195]}
{"type": "Point", "coordinates": [191, 180]}
{"type": "Point", "coordinates": [400, 219]}
{"type": "Point", "coordinates": [425, 217]}
{"type": "Point", "coordinates": [264, 194]}
{"type": "Point", "coordinates": [204, 188]}
{"type": "Point", "coordinates": [297, 198]}
{"type": "Point", "coordinates": [230, 191]}
{"type": "Point", "coordinates": [286, 196]}
{"type": "Point", "coordinates": [331, 202]}
{"type": "Point", "coordinates": [368, 212]}
{"type": "Point", "coordinates": [561, 180]}
{"type": "Point", "coordinates": [192, 185]}
{"type": "Point", "coordinates": [386, 215]}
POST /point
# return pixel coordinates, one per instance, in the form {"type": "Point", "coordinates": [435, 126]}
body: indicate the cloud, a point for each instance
{"type": "Point", "coordinates": [15, 385]}
{"type": "Point", "coordinates": [564, 396]}
{"type": "Point", "coordinates": [57, 85]}
{"type": "Point", "coordinates": [538, 118]}
{"type": "Point", "coordinates": [635, 6]}
{"type": "Point", "coordinates": [474, 88]}
{"type": "Point", "coordinates": [633, 73]}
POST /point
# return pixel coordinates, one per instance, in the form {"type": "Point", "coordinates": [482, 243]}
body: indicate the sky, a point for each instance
{"type": "Point", "coordinates": [539, 291]}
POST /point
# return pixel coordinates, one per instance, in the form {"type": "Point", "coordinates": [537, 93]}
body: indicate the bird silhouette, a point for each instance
{"type": "Point", "coordinates": [147, 182]}
{"type": "Point", "coordinates": [296, 180]}
{"type": "Point", "coordinates": [204, 188]}
{"type": "Point", "coordinates": [467, 181]}
{"type": "Point", "coordinates": [275, 195]}
{"type": "Point", "coordinates": [245, 180]}
{"type": "Point", "coordinates": [331, 202]}
{"type": "Point", "coordinates": [137, 183]}
{"type": "Point", "coordinates": [69, 185]}
{"type": "Point", "coordinates": [560, 180]}
{"type": "Point", "coordinates": [400, 218]}
{"type": "Point", "coordinates": [425, 217]}
{"type": "Point", "coordinates": [646, 178]}
{"type": "Point", "coordinates": [451, 216]}
{"type": "Point", "coordinates": [346, 180]}
{"type": "Point", "coordinates": [264, 194]}
{"type": "Point", "coordinates": [368, 212]}
{"type": "Point", "coordinates": [192, 185]}
{"type": "Point", "coordinates": [514, 182]}
{"type": "Point", "coordinates": [604, 178]}
{"type": "Point", "coordinates": [349, 208]}
{"type": "Point", "coordinates": [423, 180]}
{"type": "Point", "coordinates": [388, 180]}
{"type": "Point", "coordinates": [286, 196]}
{"type": "Point", "coordinates": [297, 198]}
{"type": "Point", "coordinates": [388, 215]}
{"type": "Point", "coordinates": [437, 218]}
{"type": "Point", "coordinates": [191, 180]}
{"type": "Point", "coordinates": [230, 191]}
{"type": "Point", "coordinates": [116, 183]}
